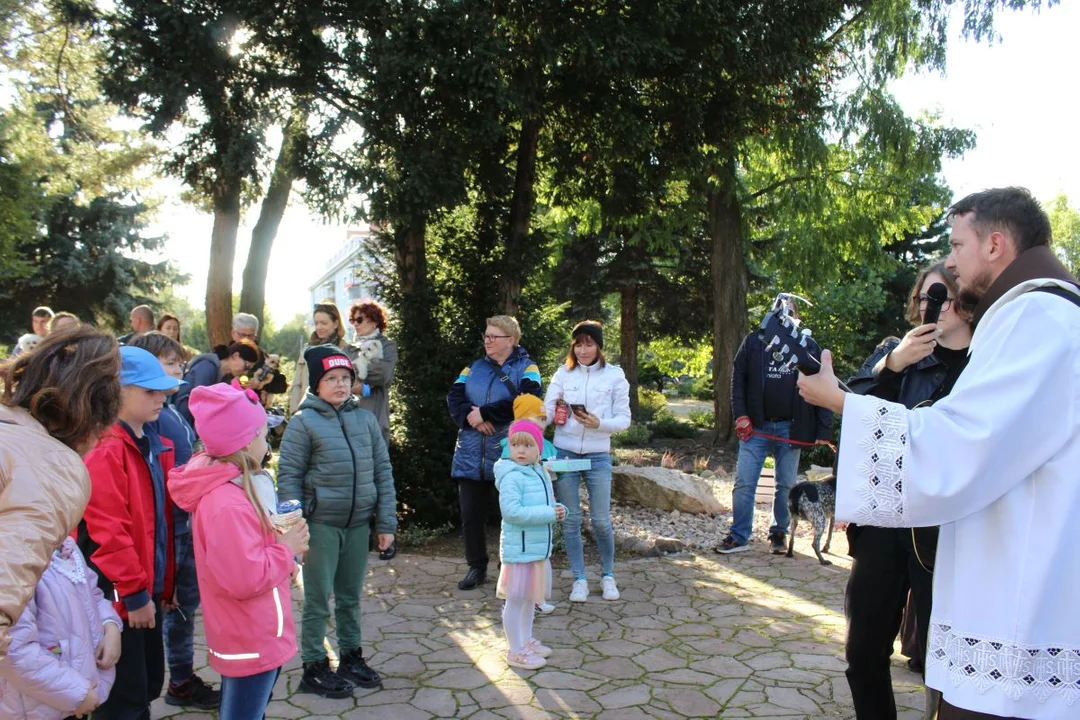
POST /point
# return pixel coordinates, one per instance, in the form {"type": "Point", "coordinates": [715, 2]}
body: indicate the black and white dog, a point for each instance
{"type": "Point", "coordinates": [815, 502]}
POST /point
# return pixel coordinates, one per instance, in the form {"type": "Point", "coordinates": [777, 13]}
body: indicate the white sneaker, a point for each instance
{"type": "Point", "coordinates": [611, 590]}
{"type": "Point", "coordinates": [579, 591]}
{"type": "Point", "coordinates": [544, 608]}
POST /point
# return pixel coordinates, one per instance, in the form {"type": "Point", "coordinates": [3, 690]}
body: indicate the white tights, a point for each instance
{"type": "Point", "coordinates": [517, 624]}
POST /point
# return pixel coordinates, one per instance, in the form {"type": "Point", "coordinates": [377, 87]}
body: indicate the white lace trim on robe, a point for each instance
{"type": "Point", "coordinates": [1016, 670]}
{"type": "Point", "coordinates": [882, 445]}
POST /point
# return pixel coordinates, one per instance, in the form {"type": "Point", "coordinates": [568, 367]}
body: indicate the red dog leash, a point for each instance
{"type": "Point", "coordinates": [801, 443]}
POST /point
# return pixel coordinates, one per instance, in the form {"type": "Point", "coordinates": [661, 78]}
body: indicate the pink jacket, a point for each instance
{"type": "Point", "coordinates": [50, 662]}
{"type": "Point", "coordinates": [243, 571]}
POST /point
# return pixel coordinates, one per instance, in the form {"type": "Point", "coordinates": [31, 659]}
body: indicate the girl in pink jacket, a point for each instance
{"type": "Point", "coordinates": [243, 565]}
{"type": "Point", "coordinates": [63, 647]}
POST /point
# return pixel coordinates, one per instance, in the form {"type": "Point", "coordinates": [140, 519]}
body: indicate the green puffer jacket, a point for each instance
{"type": "Point", "coordinates": [336, 464]}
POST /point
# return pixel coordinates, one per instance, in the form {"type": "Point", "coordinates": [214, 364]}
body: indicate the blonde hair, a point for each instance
{"type": "Point", "coordinates": [525, 438]}
{"type": "Point", "coordinates": [247, 465]}
{"type": "Point", "coordinates": [508, 325]}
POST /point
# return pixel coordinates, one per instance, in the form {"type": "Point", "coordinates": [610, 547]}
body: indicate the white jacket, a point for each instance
{"type": "Point", "coordinates": [603, 391]}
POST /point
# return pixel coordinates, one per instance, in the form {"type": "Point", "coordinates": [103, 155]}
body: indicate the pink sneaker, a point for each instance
{"type": "Point", "coordinates": [536, 648]}
{"type": "Point", "coordinates": [525, 660]}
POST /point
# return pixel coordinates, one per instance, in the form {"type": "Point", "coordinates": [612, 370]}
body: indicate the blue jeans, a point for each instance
{"type": "Point", "coordinates": [751, 460]}
{"type": "Point", "coordinates": [179, 625]}
{"type": "Point", "coordinates": [568, 491]}
{"type": "Point", "coordinates": [246, 698]}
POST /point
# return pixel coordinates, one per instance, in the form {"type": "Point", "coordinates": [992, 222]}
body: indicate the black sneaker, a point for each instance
{"type": "Point", "coordinates": [319, 679]}
{"type": "Point", "coordinates": [777, 543]}
{"type": "Point", "coordinates": [729, 545]}
{"type": "Point", "coordinates": [193, 693]}
{"type": "Point", "coordinates": [355, 670]}
{"type": "Point", "coordinates": [389, 552]}
{"type": "Point", "coordinates": [474, 577]}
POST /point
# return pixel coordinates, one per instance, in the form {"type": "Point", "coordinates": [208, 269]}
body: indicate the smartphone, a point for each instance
{"type": "Point", "coordinates": [578, 408]}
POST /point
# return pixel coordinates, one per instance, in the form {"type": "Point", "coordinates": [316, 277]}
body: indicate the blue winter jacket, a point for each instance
{"type": "Point", "coordinates": [480, 384]}
{"type": "Point", "coordinates": [527, 502]}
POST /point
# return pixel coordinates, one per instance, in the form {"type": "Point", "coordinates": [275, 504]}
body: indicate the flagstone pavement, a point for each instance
{"type": "Point", "coordinates": [736, 636]}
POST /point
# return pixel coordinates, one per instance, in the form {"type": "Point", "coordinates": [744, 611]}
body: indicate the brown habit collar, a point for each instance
{"type": "Point", "coordinates": [1037, 262]}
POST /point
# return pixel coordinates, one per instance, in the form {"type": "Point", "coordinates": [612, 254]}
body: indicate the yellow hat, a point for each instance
{"type": "Point", "coordinates": [528, 406]}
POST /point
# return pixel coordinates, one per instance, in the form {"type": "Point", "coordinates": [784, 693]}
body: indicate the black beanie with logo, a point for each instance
{"type": "Point", "coordinates": [321, 359]}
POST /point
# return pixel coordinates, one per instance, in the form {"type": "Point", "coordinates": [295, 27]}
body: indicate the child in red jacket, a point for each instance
{"type": "Point", "coordinates": [127, 531]}
{"type": "Point", "coordinates": [243, 565]}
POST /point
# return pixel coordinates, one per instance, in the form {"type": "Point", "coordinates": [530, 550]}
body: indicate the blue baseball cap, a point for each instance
{"type": "Point", "coordinates": [142, 369]}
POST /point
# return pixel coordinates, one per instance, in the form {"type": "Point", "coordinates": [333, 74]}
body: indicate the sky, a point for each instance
{"type": "Point", "coordinates": [1018, 94]}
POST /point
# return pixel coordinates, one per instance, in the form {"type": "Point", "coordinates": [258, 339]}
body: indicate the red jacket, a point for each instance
{"type": "Point", "coordinates": [243, 571]}
{"type": "Point", "coordinates": [120, 516]}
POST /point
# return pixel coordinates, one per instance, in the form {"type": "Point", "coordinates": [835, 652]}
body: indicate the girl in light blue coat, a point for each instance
{"type": "Point", "coordinates": [529, 510]}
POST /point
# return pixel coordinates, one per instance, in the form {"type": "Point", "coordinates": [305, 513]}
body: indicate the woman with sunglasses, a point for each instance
{"type": "Point", "coordinates": [329, 330]}
{"type": "Point", "coordinates": [919, 369]}
{"type": "Point", "coordinates": [481, 403]}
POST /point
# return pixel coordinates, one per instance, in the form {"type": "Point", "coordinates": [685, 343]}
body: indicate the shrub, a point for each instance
{"type": "Point", "coordinates": [417, 534]}
{"type": "Point", "coordinates": [667, 425]}
{"type": "Point", "coordinates": [702, 419]}
{"type": "Point", "coordinates": [701, 388]}
{"type": "Point", "coordinates": [650, 402]}
{"type": "Point", "coordinates": [636, 434]}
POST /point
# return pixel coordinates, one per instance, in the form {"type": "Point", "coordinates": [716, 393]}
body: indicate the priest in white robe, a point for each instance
{"type": "Point", "coordinates": [996, 464]}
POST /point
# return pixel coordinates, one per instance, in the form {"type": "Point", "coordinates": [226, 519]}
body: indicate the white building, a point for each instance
{"type": "Point", "coordinates": [343, 281]}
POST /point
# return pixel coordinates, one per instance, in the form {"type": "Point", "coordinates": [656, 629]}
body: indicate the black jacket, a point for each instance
{"type": "Point", "coordinates": [809, 422]}
{"type": "Point", "coordinates": [913, 385]}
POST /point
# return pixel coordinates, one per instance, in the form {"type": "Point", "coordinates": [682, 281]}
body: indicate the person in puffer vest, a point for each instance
{"type": "Point", "coordinates": [64, 647]}
{"type": "Point", "coordinates": [335, 462]}
{"type": "Point", "coordinates": [527, 502]}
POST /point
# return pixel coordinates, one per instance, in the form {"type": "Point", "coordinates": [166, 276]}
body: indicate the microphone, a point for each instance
{"type": "Point", "coordinates": [935, 298]}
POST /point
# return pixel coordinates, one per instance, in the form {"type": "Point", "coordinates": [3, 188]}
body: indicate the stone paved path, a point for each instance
{"type": "Point", "coordinates": [744, 635]}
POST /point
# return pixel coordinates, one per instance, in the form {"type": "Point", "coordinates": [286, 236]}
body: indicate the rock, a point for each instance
{"type": "Point", "coordinates": [661, 488]}
{"type": "Point", "coordinates": [816, 472]}
{"type": "Point", "coordinates": [669, 545]}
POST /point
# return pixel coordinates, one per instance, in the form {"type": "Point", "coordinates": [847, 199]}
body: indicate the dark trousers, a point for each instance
{"type": "Point", "coordinates": [140, 674]}
{"type": "Point", "coordinates": [477, 500]}
{"type": "Point", "coordinates": [883, 569]}
{"type": "Point", "coordinates": [179, 624]}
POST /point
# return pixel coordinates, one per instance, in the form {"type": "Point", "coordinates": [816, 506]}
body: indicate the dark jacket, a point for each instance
{"type": "Point", "coordinates": [203, 370]}
{"type": "Point", "coordinates": [913, 385]}
{"type": "Point", "coordinates": [808, 423]}
{"type": "Point", "coordinates": [481, 384]}
{"type": "Point", "coordinates": [336, 464]}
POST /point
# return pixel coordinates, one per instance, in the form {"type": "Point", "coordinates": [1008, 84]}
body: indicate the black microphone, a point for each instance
{"type": "Point", "coordinates": [935, 298]}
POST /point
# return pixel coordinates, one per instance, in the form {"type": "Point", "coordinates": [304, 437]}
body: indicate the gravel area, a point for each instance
{"type": "Point", "coordinates": [643, 526]}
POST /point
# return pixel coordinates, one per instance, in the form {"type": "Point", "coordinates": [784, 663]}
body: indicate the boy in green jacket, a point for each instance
{"type": "Point", "coordinates": [335, 462]}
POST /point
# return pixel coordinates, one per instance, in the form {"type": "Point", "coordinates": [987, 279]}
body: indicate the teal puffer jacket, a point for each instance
{"type": "Point", "coordinates": [336, 464]}
{"type": "Point", "coordinates": [527, 502]}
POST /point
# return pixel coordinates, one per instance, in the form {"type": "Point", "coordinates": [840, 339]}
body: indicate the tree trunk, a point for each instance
{"type": "Point", "coordinates": [521, 209]}
{"type": "Point", "coordinates": [222, 255]}
{"type": "Point", "coordinates": [410, 256]}
{"type": "Point", "coordinates": [628, 345]}
{"type": "Point", "coordinates": [253, 292]}
{"type": "Point", "coordinates": [729, 287]}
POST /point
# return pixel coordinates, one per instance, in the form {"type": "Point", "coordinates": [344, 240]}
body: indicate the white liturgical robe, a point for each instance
{"type": "Point", "coordinates": [997, 465]}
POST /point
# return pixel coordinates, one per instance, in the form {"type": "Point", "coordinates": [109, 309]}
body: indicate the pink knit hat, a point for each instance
{"type": "Point", "coordinates": [528, 426]}
{"type": "Point", "coordinates": [227, 418]}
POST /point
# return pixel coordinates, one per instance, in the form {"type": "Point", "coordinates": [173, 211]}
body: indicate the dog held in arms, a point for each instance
{"type": "Point", "coordinates": [815, 502]}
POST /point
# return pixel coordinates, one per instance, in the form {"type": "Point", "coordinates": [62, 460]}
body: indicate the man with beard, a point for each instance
{"type": "Point", "coordinates": [995, 464]}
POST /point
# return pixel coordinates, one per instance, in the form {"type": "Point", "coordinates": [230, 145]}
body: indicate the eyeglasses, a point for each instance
{"type": "Point", "coordinates": [358, 320]}
{"type": "Point", "coordinates": [493, 338]}
{"type": "Point", "coordinates": [245, 335]}
{"type": "Point", "coordinates": [924, 299]}
{"type": "Point", "coordinates": [341, 380]}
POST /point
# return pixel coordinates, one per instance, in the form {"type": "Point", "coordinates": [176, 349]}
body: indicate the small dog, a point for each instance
{"type": "Point", "coordinates": [28, 342]}
{"type": "Point", "coordinates": [814, 502]}
{"type": "Point", "coordinates": [368, 350]}
{"type": "Point", "coordinates": [266, 371]}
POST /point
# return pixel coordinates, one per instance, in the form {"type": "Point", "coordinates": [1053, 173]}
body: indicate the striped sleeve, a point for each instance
{"type": "Point", "coordinates": [532, 373]}
{"type": "Point", "coordinates": [463, 376]}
